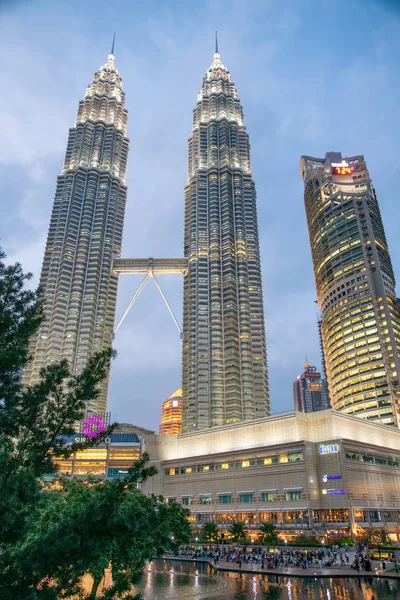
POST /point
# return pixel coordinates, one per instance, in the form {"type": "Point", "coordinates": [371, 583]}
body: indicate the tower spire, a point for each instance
{"type": "Point", "coordinates": [113, 44]}
{"type": "Point", "coordinates": [216, 42]}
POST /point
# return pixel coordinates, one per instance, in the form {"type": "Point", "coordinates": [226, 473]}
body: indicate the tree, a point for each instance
{"type": "Point", "coordinates": [20, 316]}
{"type": "Point", "coordinates": [237, 532]}
{"type": "Point", "coordinates": [268, 535]}
{"type": "Point", "coordinates": [209, 532]}
{"type": "Point", "coordinates": [84, 528]}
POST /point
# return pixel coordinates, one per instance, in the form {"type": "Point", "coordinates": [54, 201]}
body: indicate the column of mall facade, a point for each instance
{"type": "Point", "coordinates": [355, 288]}
{"type": "Point", "coordinates": [224, 351]}
{"type": "Point", "coordinates": [78, 285]}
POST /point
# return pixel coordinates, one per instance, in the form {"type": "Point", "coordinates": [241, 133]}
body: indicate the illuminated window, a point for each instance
{"type": "Point", "coordinates": [268, 496]}
{"type": "Point", "coordinates": [293, 495]}
{"type": "Point", "coordinates": [205, 498]}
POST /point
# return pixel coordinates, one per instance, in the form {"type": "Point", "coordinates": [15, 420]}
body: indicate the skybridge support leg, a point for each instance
{"type": "Point", "coordinates": [168, 306]}
{"type": "Point", "coordinates": [134, 298]}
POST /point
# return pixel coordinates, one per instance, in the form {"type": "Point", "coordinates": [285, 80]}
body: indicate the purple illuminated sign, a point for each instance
{"type": "Point", "coordinates": [93, 426]}
{"type": "Point", "coordinates": [326, 478]}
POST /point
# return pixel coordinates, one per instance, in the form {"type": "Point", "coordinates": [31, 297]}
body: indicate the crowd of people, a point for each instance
{"type": "Point", "coordinates": [284, 558]}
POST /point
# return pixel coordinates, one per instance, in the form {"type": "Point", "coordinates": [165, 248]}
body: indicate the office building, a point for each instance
{"type": "Point", "coordinates": [309, 391]}
{"type": "Point", "coordinates": [79, 287]}
{"type": "Point", "coordinates": [171, 414]}
{"type": "Point", "coordinates": [224, 378]}
{"type": "Point", "coordinates": [360, 316]}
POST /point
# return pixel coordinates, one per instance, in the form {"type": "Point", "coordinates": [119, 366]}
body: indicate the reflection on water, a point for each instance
{"type": "Point", "coordinates": [164, 580]}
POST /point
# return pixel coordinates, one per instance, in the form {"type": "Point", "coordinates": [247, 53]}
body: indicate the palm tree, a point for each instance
{"type": "Point", "coordinates": [237, 532]}
{"type": "Point", "coordinates": [268, 535]}
{"type": "Point", "coordinates": [209, 532]}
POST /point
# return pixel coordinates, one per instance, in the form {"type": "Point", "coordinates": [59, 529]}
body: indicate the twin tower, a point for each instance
{"type": "Point", "coordinates": [224, 366]}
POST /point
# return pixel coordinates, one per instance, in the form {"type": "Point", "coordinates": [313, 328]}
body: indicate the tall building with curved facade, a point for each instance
{"type": "Point", "coordinates": [78, 285]}
{"type": "Point", "coordinates": [171, 414]}
{"type": "Point", "coordinates": [360, 314]}
{"type": "Point", "coordinates": [224, 376]}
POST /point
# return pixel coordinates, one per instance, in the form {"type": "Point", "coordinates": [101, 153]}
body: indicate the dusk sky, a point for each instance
{"type": "Point", "coordinates": [313, 76]}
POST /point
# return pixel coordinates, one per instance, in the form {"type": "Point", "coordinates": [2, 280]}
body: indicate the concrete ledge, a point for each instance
{"type": "Point", "coordinates": [292, 571]}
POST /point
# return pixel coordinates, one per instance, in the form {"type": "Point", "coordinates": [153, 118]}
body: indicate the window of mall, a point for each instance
{"type": "Point", "coordinates": [225, 498]}
{"type": "Point", "coordinates": [246, 497]}
{"type": "Point", "coordinates": [268, 496]}
{"type": "Point", "coordinates": [205, 498]}
{"type": "Point", "coordinates": [293, 495]}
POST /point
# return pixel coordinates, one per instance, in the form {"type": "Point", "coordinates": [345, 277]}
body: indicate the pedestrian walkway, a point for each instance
{"type": "Point", "coordinates": [313, 571]}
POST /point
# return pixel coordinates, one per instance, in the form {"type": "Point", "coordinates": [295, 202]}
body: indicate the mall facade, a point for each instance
{"type": "Point", "coordinates": [318, 474]}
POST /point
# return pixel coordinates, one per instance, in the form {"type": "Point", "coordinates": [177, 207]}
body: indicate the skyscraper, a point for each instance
{"type": "Point", "coordinates": [309, 391]}
{"type": "Point", "coordinates": [171, 414]}
{"type": "Point", "coordinates": [360, 316]}
{"type": "Point", "coordinates": [78, 285]}
{"type": "Point", "coordinates": [224, 376]}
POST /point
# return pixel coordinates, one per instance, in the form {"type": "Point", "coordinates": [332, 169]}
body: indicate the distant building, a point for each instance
{"type": "Point", "coordinates": [171, 414]}
{"type": "Point", "coordinates": [309, 391]}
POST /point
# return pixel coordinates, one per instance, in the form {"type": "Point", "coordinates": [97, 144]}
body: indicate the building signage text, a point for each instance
{"type": "Point", "coordinates": [328, 448]}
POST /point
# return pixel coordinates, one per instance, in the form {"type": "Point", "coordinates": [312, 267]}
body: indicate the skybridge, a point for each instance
{"type": "Point", "coordinates": [150, 267]}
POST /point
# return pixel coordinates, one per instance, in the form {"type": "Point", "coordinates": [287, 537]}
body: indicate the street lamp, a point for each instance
{"type": "Point", "coordinates": [285, 541]}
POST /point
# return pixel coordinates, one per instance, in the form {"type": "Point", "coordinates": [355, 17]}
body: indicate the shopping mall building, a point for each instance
{"type": "Point", "coordinates": [314, 473]}
{"type": "Point", "coordinates": [320, 473]}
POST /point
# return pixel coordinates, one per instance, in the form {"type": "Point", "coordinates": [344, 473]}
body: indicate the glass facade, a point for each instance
{"type": "Point", "coordinates": [78, 284]}
{"type": "Point", "coordinates": [360, 314]}
{"type": "Point", "coordinates": [224, 378]}
{"type": "Point", "coordinates": [106, 460]}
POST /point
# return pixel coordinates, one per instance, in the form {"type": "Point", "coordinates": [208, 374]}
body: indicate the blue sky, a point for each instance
{"type": "Point", "coordinates": [313, 76]}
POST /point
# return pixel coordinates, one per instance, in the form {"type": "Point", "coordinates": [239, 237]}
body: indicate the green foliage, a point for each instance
{"type": "Point", "coordinates": [209, 533]}
{"type": "Point", "coordinates": [268, 535]}
{"type": "Point", "coordinates": [20, 317]}
{"type": "Point", "coordinates": [35, 420]}
{"type": "Point", "coordinates": [84, 528]}
{"type": "Point", "coordinates": [237, 532]}
{"type": "Point", "coordinates": [376, 537]}
{"type": "Point", "coordinates": [305, 540]}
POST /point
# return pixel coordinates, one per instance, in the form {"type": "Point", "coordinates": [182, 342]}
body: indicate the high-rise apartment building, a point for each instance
{"type": "Point", "coordinates": [309, 391]}
{"type": "Point", "coordinates": [224, 376]}
{"type": "Point", "coordinates": [171, 414]}
{"type": "Point", "coordinates": [78, 285]}
{"type": "Point", "coordinates": [360, 315]}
